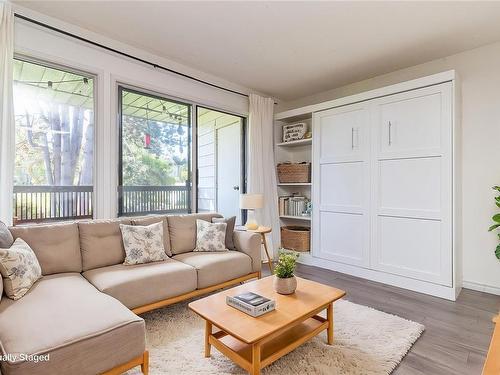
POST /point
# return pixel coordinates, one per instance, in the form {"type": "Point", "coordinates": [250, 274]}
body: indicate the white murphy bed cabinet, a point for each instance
{"type": "Point", "coordinates": [385, 185]}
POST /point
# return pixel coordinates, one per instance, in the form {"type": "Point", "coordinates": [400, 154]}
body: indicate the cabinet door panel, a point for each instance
{"type": "Point", "coordinates": [410, 247]}
{"type": "Point", "coordinates": [409, 187]}
{"type": "Point", "coordinates": [343, 134]}
{"type": "Point", "coordinates": [341, 185]}
{"type": "Point", "coordinates": [342, 237]}
{"type": "Point", "coordinates": [412, 187]}
{"type": "Point", "coordinates": [410, 123]}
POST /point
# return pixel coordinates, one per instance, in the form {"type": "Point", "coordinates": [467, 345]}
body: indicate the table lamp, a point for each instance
{"type": "Point", "coordinates": [251, 202]}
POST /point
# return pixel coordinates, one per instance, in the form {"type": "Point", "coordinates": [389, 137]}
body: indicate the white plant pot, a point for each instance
{"type": "Point", "coordinates": [285, 286]}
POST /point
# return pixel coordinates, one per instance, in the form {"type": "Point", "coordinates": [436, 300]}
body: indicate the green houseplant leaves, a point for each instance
{"type": "Point", "coordinates": [497, 250]}
{"type": "Point", "coordinates": [496, 221]}
{"type": "Point", "coordinates": [286, 264]}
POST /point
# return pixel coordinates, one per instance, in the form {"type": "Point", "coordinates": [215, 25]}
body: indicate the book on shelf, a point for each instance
{"type": "Point", "coordinates": [251, 303]}
{"type": "Point", "coordinates": [283, 205]}
{"type": "Point", "coordinates": [292, 205]}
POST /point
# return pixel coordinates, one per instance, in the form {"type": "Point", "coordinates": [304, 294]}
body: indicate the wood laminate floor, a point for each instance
{"type": "Point", "coordinates": [457, 334]}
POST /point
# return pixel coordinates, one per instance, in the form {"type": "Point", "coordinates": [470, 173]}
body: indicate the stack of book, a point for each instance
{"type": "Point", "coordinates": [251, 303]}
{"type": "Point", "coordinates": [292, 205]}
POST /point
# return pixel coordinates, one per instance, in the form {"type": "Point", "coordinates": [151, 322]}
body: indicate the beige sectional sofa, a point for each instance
{"type": "Point", "coordinates": [82, 313]}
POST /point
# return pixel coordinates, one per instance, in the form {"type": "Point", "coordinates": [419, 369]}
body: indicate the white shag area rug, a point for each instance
{"type": "Point", "coordinates": [366, 342]}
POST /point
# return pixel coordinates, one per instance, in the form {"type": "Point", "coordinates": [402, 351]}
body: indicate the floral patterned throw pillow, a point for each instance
{"type": "Point", "coordinates": [19, 268]}
{"type": "Point", "coordinates": [210, 236]}
{"type": "Point", "coordinates": [143, 244]}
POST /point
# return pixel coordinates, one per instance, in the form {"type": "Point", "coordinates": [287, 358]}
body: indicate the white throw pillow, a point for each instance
{"type": "Point", "coordinates": [19, 268]}
{"type": "Point", "coordinates": [210, 236]}
{"type": "Point", "coordinates": [143, 244]}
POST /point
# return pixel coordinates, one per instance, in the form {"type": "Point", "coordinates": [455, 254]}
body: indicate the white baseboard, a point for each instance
{"type": "Point", "coordinates": [482, 287]}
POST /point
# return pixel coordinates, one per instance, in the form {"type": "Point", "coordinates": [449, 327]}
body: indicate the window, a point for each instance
{"type": "Point", "coordinates": [155, 149]}
{"type": "Point", "coordinates": [54, 120]}
{"type": "Point", "coordinates": [220, 162]}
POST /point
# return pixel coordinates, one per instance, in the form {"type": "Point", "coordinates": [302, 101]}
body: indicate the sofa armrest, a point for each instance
{"type": "Point", "coordinates": [250, 244]}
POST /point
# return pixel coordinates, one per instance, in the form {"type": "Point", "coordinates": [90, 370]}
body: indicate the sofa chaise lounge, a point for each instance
{"type": "Point", "coordinates": [81, 316]}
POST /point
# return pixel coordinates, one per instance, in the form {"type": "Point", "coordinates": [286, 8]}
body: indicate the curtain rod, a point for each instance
{"type": "Point", "coordinates": [154, 65]}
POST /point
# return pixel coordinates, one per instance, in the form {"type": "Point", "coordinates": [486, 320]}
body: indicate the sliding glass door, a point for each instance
{"type": "Point", "coordinates": [220, 150]}
{"type": "Point", "coordinates": [155, 149]}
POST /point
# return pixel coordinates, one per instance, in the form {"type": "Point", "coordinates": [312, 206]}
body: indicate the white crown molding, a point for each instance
{"type": "Point", "coordinates": [429, 80]}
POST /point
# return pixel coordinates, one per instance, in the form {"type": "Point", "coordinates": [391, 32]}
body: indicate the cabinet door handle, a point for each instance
{"type": "Point", "coordinates": [390, 133]}
{"type": "Point", "coordinates": [352, 138]}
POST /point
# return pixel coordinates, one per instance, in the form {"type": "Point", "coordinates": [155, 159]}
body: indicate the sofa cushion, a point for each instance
{"type": "Point", "coordinates": [142, 284]}
{"type": "Point", "coordinates": [215, 268]}
{"type": "Point", "coordinates": [84, 331]}
{"type": "Point", "coordinates": [6, 239]}
{"type": "Point", "coordinates": [20, 268]}
{"type": "Point", "coordinates": [143, 244]}
{"type": "Point", "coordinates": [148, 220]}
{"type": "Point", "coordinates": [101, 243]}
{"type": "Point", "coordinates": [56, 246]}
{"type": "Point", "coordinates": [182, 229]}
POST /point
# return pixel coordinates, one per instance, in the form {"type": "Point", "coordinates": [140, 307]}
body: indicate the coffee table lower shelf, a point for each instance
{"type": "Point", "coordinates": [253, 357]}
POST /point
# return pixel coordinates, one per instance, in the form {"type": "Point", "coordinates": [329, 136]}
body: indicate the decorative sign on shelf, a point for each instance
{"type": "Point", "coordinates": [294, 132]}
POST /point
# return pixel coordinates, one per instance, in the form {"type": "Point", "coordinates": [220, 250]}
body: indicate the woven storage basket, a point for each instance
{"type": "Point", "coordinates": [296, 238]}
{"type": "Point", "coordinates": [294, 172]}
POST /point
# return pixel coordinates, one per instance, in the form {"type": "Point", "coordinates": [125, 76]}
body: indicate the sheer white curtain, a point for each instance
{"type": "Point", "coordinates": [6, 111]}
{"type": "Point", "coordinates": [261, 165]}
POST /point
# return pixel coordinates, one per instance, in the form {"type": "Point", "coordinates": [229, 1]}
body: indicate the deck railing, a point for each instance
{"type": "Point", "coordinates": [34, 204]}
{"type": "Point", "coordinates": [141, 200]}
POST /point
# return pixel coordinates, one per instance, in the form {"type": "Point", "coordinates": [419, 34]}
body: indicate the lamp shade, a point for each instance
{"type": "Point", "coordinates": [251, 201]}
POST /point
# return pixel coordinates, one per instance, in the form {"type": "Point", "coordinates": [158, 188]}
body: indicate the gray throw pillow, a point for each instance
{"type": "Point", "coordinates": [231, 222]}
{"type": "Point", "coordinates": [6, 239]}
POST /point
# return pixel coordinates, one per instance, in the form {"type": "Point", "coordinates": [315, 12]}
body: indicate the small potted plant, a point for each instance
{"type": "Point", "coordinates": [284, 279]}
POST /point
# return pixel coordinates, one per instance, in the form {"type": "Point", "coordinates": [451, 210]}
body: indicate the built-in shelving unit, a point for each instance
{"type": "Point", "coordinates": [295, 152]}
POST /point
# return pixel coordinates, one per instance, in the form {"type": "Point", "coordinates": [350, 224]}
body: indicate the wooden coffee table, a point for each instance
{"type": "Point", "coordinates": [254, 343]}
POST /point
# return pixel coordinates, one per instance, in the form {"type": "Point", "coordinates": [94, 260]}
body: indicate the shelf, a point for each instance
{"type": "Point", "coordinates": [300, 142]}
{"type": "Point", "coordinates": [294, 184]}
{"type": "Point", "coordinates": [275, 348]}
{"type": "Point", "coordinates": [306, 218]}
{"type": "Point", "coordinates": [292, 116]}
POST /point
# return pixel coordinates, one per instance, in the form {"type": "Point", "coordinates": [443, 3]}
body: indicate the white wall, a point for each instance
{"type": "Point", "coordinates": [111, 69]}
{"type": "Point", "coordinates": [479, 71]}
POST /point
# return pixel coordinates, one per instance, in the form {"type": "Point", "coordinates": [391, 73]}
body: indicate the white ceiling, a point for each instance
{"type": "Point", "coordinates": [289, 49]}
